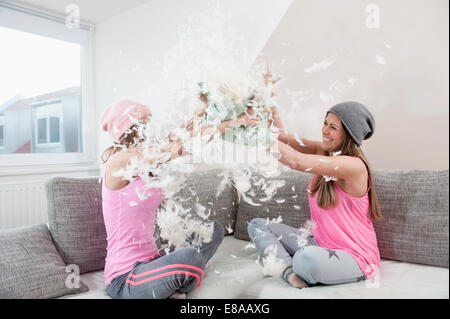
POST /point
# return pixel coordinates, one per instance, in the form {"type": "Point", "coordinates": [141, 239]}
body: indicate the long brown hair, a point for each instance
{"type": "Point", "coordinates": [327, 196]}
{"type": "Point", "coordinates": [127, 140]}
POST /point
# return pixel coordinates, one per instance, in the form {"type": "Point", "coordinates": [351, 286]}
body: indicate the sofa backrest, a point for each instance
{"type": "Point", "coordinates": [415, 212]}
{"type": "Point", "coordinates": [414, 205]}
{"type": "Point", "coordinates": [220, 201]}
{"type": "Point", "coordinates": [290, 202]}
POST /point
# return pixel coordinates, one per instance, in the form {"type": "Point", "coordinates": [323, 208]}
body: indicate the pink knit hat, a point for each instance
{"type": "Point", "coordinates": [122, 115]}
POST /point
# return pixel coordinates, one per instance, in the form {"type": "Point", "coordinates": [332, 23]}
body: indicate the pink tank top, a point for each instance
{"type": "Point", "coordinates": [129, 215]}
{"type": "Point", "coordinates": [347, 227]}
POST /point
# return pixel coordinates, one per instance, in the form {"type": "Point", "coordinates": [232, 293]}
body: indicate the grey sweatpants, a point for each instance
{"type": "Point", "coordinates": [311, 262]}
{"type": "Point", "coordinates": [180, 271]}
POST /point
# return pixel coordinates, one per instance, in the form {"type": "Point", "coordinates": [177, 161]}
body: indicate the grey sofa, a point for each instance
{"type": "Point", "coordinates": [412, 237]}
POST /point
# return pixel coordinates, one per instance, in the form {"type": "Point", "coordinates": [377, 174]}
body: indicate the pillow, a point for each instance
{"type": "Point", "coordinates": [30, 266]}
{"type": "Point", "coordinates": [202, 188]}
{"type": "Point", "coordinates": [290, 202]}
{"type": "Point", "coordinates": [76, 222]}
{"type": "Point", "coordinates": [226, 109]}
{"type": "Point", "coordinates": [415, 210]}
{"type": "Point", "coordinates": [251, 135]}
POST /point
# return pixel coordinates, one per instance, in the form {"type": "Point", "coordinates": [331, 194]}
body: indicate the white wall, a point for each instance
{"type": "Point", "coordinates": [408, 94]}
{"type": "Point", "coordinates": [140, 56]}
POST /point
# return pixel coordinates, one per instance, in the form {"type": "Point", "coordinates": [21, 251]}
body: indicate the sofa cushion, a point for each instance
{"type": "Point", "coordinates": [233, 273]}
{"type": "Point", "coordinates": [290, 202]}
{"type": "Point", "coordinates": [415, 210]}
{"type": "Point", "coordinates": [95, 280]}
{"type": "Point", "coordinates": [76, 221]}
{"type": "Point", "coordinates": [31, 268]}
{"type": "Point", "coordinates": [203, 188]}
{"type": "Point", "coordinates": [396, 280]}
{"type": "Point", "coordinates": [231, 270]}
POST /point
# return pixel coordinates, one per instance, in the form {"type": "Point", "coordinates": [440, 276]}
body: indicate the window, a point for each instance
{"type": "Point", "coordinates": [48, 124]}
{"type": "Point", "coordinates": [45, 89]}
{"type": "Point", "coordinates": [42, 131]}
{"type": "Point", "coordinates": [54, 130]}
{"type": "Point", "coordinates": [2, 134]}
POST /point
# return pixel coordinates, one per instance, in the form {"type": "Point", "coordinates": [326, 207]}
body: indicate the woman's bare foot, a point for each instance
{"type": "Point", "coordinates": [296, 281]}
{"type": "Point", "coordinates": [177, 295]}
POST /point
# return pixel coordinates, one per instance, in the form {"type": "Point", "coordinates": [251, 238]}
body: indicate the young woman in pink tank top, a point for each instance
{"type": "Point", "coordinates": [134, 267]}
{"type": "Point", "coordinates": [342, 247]}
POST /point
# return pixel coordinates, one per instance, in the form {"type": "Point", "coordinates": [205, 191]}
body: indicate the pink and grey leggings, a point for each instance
{"type": "Point", "coordinates": [314, 264]}
{"type": "Point", "coordinates": [179, 271]}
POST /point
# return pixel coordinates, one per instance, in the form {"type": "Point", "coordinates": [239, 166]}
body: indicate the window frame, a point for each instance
{"type": "Point", "coordinates": [2, 125]}
{"type": "Point", "coordinates": [43, 22]}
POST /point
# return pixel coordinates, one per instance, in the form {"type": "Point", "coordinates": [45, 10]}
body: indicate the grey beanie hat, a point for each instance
{"type": "Point", "coordinates": [356, 118]}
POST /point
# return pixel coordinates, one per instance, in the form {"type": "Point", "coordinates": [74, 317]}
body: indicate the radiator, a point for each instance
{"type": "Point", "coordinates": [22, 204]}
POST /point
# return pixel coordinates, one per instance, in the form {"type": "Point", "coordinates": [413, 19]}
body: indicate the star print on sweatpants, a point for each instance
{"type": "Point", "coordinates": [361, 278]}
{"type": "Point", "coordinates": [332, 253]}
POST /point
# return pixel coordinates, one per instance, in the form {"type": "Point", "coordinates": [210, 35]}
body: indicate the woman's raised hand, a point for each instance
{"type": "Point", "coordinates": [175, 149]}
{"type": "Point", "coordinates": [268, 76]}
{"type": "Point", "coordinates": [202, 109]}
{"type": "Point", "coordinates": [247, 118]}
{"type": "Point", "coordinates": [273, 118]}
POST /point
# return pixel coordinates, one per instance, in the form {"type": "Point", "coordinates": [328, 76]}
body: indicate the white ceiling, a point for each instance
{"type": "Point", "coordinates": [93, 11]}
